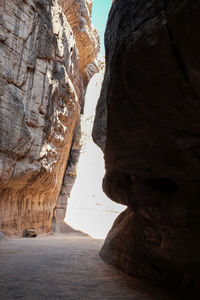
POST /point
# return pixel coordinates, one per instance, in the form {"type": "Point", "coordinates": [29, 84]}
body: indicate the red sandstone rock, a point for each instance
{"type": "Point", "coordinates": [151, 96]}
{"type": "Point", "coordinates": [87, 39]}
{"type": "Point", "coordinates": [41, 93]}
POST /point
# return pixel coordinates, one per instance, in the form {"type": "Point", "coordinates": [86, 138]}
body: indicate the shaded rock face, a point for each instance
{"type": "Point", "coordinates": [87, 41]}
{"type": "Point", "coordinates": [58, 223]}
{"type": "Point", "coordinates": [151, 96]}
{"type": "Point", "coordinates": [41, 92]}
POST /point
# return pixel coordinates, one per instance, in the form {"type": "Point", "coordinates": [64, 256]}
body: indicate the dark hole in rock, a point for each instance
{"type": "Point", "coordinates": [164, 185]}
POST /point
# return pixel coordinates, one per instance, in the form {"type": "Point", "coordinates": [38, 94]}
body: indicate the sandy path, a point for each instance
{"type": "Point", "coordinates": [63, 267]}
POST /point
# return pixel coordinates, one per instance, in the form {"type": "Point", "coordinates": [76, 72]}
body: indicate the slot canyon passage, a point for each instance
{"type": "Point", "coordinates": [146, 125]}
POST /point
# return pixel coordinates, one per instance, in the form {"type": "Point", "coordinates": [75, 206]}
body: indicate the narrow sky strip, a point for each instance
{"type": "Point", "coordinates": [100, 12]}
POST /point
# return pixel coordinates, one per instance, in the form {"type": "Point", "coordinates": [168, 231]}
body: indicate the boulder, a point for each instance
{"type": "Point", "coordinates": [151, 139]}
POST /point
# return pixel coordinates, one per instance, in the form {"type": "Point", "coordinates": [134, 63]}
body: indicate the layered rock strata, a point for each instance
{"type": "Point", "coordinates": [58, 223]}
{"type": "Point", "coordinates": [41, 94]}
{"type": "Point", "coordinates": [78, 15]}
{"type": "Point", "coordinates": [87, 39]}
{"type": "Point", "coordinates": [151, 95]}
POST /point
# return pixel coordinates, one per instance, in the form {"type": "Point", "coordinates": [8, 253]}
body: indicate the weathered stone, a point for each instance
{"type": "Point", "coordinates": [87, 39]}
{"type": "Point", "coordinates": [58, 224]}
{"type": "Point", "coordinates": [78, 14]}
{"type": "Point", "coordinates": [41, 92]}
{"type": "Point", "coordinates": [151, 94]}
{"type": "Point", "coordinates": [100, 120]}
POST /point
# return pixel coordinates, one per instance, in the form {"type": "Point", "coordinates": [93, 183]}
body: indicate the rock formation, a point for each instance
{"type": "Point", "coordinates": [87, 39]}
{"type": "Point", "coordinates": [42, 69]}
{"type": "Point", "coordinates": [151, 95]}
{"type": "Point", "coordinates": [58, 223]}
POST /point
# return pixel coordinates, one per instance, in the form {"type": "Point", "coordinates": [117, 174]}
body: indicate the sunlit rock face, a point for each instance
{"type": "Point", "coordinates": [78, 15]}
{"type": "Point", "coordinates": [87, 39]}
{"type": "Point", "coordinates": [58, 223]}
{"type": "Point", "coordinates": [41, 91]}
{"type": "Point", "coordinates": [151, 94]}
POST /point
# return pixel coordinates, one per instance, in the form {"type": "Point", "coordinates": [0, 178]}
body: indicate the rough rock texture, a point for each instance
{"type": "Point", "coordinates": [58, 224]}
{"type": "Point", "coordinates": [78, 15]}
{"type": "Point", "coordinates": [151, 89]}
{"type": "Point", "coordinates": [87, 39]}
{"type": "Point", "coordinates": [100, 119]}
{"type": "Point", "coordinates": [41, 91]}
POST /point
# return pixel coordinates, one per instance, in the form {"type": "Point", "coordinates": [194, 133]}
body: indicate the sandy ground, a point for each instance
{"type": "Point", "coordinates": [63, 267]}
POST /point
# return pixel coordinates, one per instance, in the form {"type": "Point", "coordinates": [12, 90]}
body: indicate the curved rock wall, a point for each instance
{"type": "Point", "coordinates": [87, 39]}
{"type": "Point", "coordinates": [78, 15]}
{"type": "Point", "coordinates": [41, 93]}
{"type": "Point", "coordinates": [151, 95]}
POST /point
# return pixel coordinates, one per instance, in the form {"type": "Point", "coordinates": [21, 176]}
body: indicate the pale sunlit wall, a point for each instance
{"type": "Point", "coordinates": [89, 210]}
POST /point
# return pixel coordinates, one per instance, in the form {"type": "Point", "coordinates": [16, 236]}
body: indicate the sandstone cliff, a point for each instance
{"type": "Point", "coordinates": [87, 39]}
{"type": "Point", "coordinates": [151, 95]}
{"type": "Point", "coordinates": [41, 95]}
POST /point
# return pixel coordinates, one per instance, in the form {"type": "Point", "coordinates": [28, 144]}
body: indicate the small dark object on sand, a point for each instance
{"type": "Point", "coordinates": [29, 233]}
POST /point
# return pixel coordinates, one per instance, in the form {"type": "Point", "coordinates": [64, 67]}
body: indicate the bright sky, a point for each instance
{"type": "Point", "coordinates": [88, 208]}
{"type": "Point", "coordinates": [100, 12]}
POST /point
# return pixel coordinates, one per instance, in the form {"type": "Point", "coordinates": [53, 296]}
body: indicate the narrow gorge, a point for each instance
{"type": "Point", "coordinates": [146, 124]}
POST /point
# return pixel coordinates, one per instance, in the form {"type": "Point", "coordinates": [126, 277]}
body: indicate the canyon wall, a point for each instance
{"type": "Point", "coordinates": [87, 39]}
{"type": "Point", "coordinates": [151, 139]}
{"type": "Point", "coordinates": [43, 75]}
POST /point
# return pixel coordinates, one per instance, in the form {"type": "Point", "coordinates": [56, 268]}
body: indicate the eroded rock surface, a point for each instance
{"type": "Point", "coordinates": [58, 223]}
{"type": "Point", "coordinates": [41, 94]}
{"type": "Point", "coordinates": [151, 95]}
{"type": "Point", "coordinates": [78, 15]}
{"type": "Point", "coordinates": [87, 39]}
